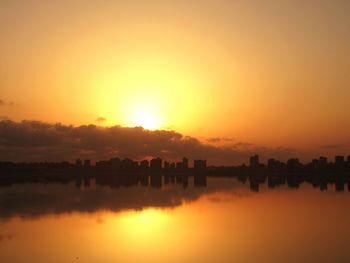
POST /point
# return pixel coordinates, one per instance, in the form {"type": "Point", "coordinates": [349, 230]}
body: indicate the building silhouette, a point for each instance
{"type": "Point", "coordinates": [79, 163]}
{"type": "Point", "coordinates": [254, 161]}
{"type": "Point", "coordinates": [87, 163]}
{"type": "Point", "coordinates": [339, 161]}
{"type": "Point", "coordinates": [144, 164]}
{"type": "Point", "coordinates": [199, 164]}
{"type": "Point", "coordinates": [184, 163]}
{"type": "Point", "coordinates": [156, 164]}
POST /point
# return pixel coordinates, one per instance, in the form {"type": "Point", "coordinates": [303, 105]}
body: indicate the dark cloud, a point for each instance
{"type": "Point", "coordinates": [334, 146]}
{"type": "Point", "coordinates": [4, 103]}
{"type": "Point", "coordinates": [39, 141]}
{"type": "Point", "coordinates": [101, 119]}
{"type": "Point", "coordinates": [244, 145]}
{"type": "Point", "coordinates": [5, 237]}
{"type": "Point", "coordinates": [219, 139]}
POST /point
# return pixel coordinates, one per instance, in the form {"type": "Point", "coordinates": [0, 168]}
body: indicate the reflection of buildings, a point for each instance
{"type": "Point", "coordinates": [156, 180]}
{"type": "Point", "coordinates": [254, 186]}
{"type": "Point", "coordinates": [200, 180]}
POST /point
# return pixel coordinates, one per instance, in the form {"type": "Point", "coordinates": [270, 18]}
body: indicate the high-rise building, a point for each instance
{"type": "Point", "coordinates": [166, 165]}
{"type": "Point", "coordinates": [293, 165]}
{"type": "Point", "coordinates": [199, 164]}
{"type": "Point", "coordinates": [115, 163]}
{"type": "Point", "coordinates": [179, 165]}
{"type": "Point", "coordinates": [87, 163]}
{"type": "Point", "coordinates": [144, 164]}
{"type": "Point", "coordinates": [339, 161]}
{"type": "Point", "coordinates": [127, 163]}
{"type": "Point", "coordinates": [156, 164]}
{"type": "Point", "coordinates": [185, 163]}
{"type": "Point", "coordinates": [79, 162]}
{"type": "Point", "coordinates": [323, 160]}
{"type": "Point", "coordinates": [254, 161]}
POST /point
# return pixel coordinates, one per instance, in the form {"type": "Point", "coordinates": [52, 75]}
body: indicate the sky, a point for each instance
{"type": "Point", "coordinates": [246, 76]}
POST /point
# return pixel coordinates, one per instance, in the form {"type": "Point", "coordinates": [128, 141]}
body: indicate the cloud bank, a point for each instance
{"type": "Point", "coordinates": [40, 141]}
{"type": "Point", "coordinates": [4, 103]}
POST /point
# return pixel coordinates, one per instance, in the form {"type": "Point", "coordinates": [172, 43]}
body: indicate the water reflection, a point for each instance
{"type": "Point", "coordinates": [175, 219]}
{"type": "Point", "coordinates": [88, 195]}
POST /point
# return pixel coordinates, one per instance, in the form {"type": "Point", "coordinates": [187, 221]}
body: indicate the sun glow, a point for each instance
{"type": "Point", "coordinates": [146, 116]}
{"type": "Point", "coordinates": [146, 119]}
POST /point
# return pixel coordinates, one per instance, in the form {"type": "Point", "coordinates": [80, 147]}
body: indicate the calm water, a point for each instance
{"type": "Point", "coordinates": [222, 222]}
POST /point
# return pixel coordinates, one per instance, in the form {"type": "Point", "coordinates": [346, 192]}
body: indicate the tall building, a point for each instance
{"type": "Point", "coordinates": [184, 163]}
{"type": "Point", "coordinates": [254, 161]}
{"type": "Point", "coordinates": [166, 165]}
{"type": "Point", "coordinates": [87, 163]}
{"type": "Point", "coordinates": [144, 164]}
{"type": "Point", "coordinates": [323, 160]}
{"type": "Point", "coordinates": [115, 163]}
{"type": "Point", "coordinates": [293, 165]}
{"type": "Point", "coordinates": [156, 164]}
{"type": "Point", "coordinates": [103, 164]}
{"type": "Point", "coordinates": [179, 165]}
{"type": "Point", "coordinates": [322, 163]}
{"type": "Point", "coordinates": [199, 164]}
{"type": "Point", "coordinates": [79, 162]}
{"type": "Point", "coordinates": [339, 161]}
{"type": "Point", "coordinates": [127, 163]}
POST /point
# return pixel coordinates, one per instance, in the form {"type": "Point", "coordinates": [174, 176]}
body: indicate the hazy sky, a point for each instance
{"type": "Point", "coordinates": [270, 73]}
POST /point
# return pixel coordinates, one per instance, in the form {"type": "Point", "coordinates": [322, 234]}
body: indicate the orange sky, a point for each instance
{"type": "Point", "coordinates": [270, 73]}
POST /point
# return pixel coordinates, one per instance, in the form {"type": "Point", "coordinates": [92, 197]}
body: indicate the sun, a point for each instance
{"type": "Point", "coordinates": [143, 109]}
{"type": "Point", "coordinates": [145, 115]}
{"type": "Point", "coordinates": [146, 119]}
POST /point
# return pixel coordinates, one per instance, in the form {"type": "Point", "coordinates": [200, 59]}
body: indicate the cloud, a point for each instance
{"type": "Point", "coordinates": [39, 141]}
{"type": "Point", "coordinates": [219, 139]}
{"type": "Point", "coordinates": [4, 103]}
{"type": "Point", "coordinates": [101, 119]}
{"type": "Point", "coordinates": [334, 146]}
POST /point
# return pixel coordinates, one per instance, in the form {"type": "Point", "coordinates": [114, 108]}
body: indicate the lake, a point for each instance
{"type": "Point", "coordinates": [220, 220]}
